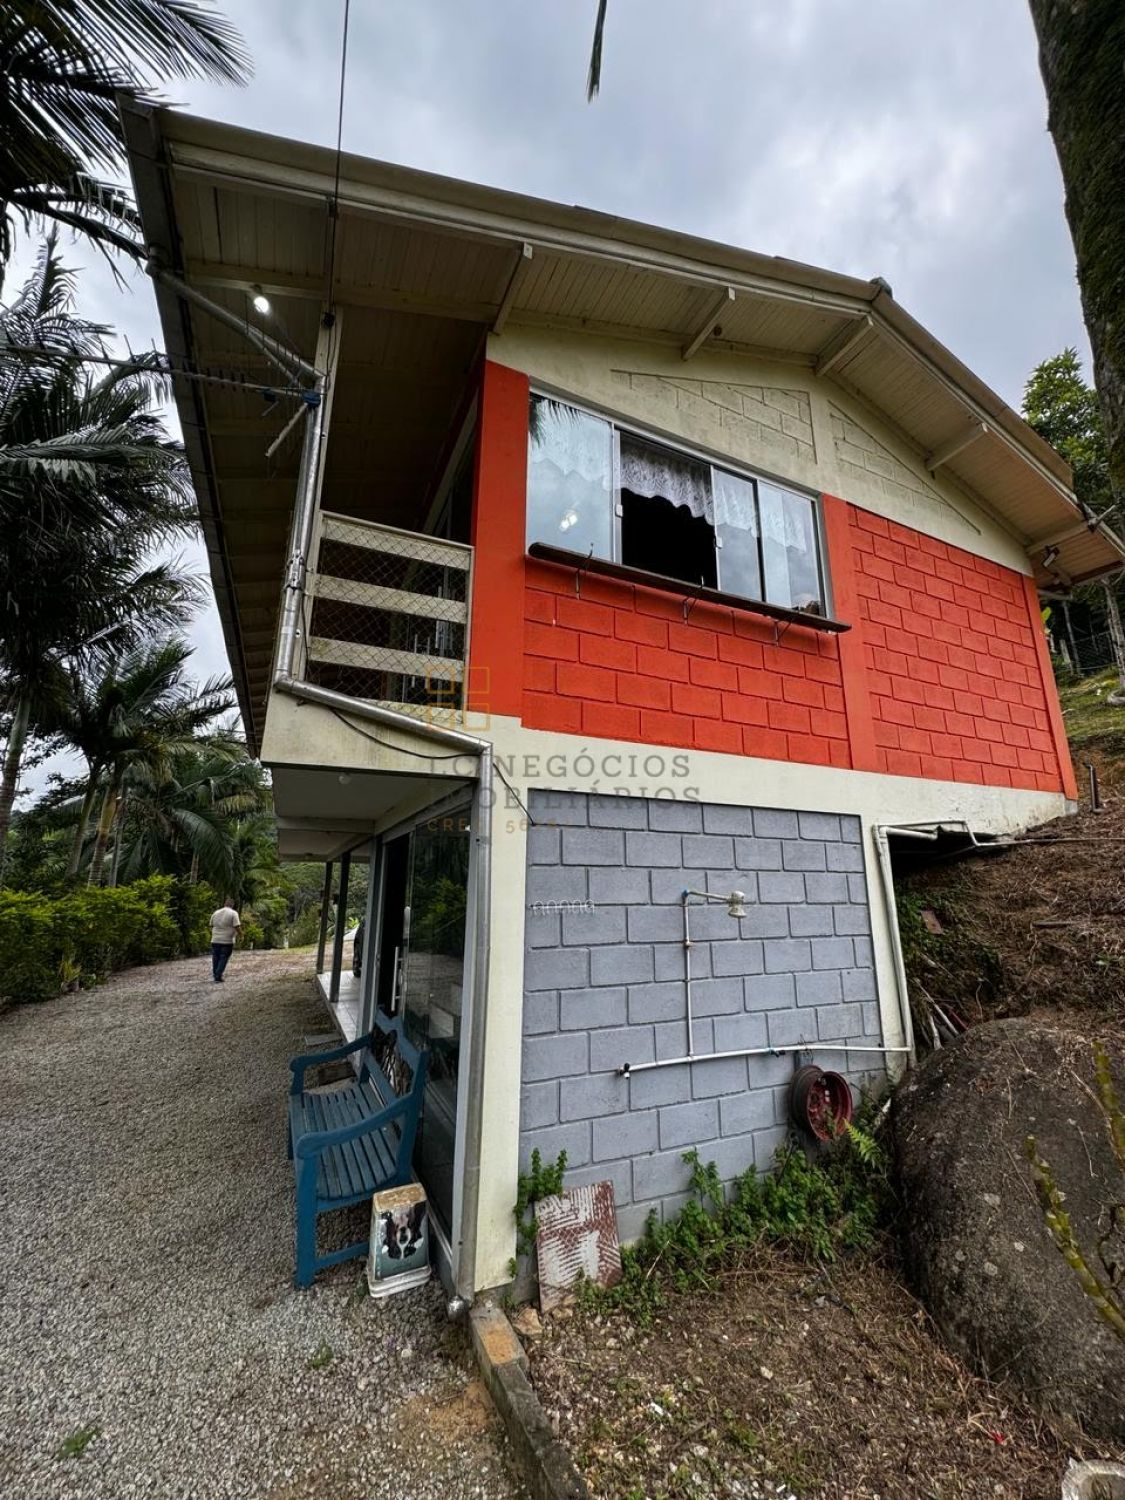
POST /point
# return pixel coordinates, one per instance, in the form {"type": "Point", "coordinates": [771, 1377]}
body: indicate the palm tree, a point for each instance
{"type": "Point", "coordinates": [185, 822]}
{"type": "Point", "coordinates": [78, 449]}
{"type": "Point", "coordinates": [130, 722]}
{"type": "Point", "coordinates": [64, 63]}
{"type": "Point", "coordinates": [89, 483]}
{"type": "Point", "coordinates": [254, 861]}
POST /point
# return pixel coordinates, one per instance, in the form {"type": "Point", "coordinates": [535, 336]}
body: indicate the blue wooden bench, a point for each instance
{"type": "Point", "coordinates": [352, 1141]}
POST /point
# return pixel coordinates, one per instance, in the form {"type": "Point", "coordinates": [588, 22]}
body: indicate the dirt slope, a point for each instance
{"type": "Point", "coordinates": [1039, 928]}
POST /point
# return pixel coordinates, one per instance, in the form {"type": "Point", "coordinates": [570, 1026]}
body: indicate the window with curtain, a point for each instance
{"type": "Point", "coordinates": [602, 491]}
{"type": "Point", "coordinates": [570, 479]}
{"type": "Point", "coordinates": [667, 518]}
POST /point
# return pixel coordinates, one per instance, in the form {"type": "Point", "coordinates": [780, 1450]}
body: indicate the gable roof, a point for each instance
{"type": "Point", "coordinates": [424, 266]}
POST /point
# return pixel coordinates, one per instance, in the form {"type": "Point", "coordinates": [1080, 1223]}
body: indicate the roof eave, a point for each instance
{"type": "Point", "coordinates": [144, 142]}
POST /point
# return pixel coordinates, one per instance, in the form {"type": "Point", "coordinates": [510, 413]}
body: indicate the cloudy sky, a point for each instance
{"type": "Point", "coordinates": [901, 138]}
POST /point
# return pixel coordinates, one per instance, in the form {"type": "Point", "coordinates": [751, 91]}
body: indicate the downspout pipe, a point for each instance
{"type": "Point", "coordinates": [478, 1021]}
{"type": "Point", "coordinates": [880, 832]}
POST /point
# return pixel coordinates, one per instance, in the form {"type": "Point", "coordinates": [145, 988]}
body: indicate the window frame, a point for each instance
{"type": "Point", "coordinates": [713, 460]}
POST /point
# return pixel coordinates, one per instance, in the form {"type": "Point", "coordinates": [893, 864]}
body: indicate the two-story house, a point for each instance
{"type": "Point", "coordinates": [569, 568]}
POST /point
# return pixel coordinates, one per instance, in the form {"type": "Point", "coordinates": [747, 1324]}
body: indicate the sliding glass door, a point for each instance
{"type": "Point", "coordinates": [429, 989]}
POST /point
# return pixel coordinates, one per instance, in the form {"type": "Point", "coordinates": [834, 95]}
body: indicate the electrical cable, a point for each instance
{"type": "Point", "coordinates": [334, 210]}
{"type": "Point", "coordinates": [390, 745]}
{"type": "Point", "coordinates": [172, 367]}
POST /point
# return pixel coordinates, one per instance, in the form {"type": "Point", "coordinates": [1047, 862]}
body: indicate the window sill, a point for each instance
{"type": "Point", "coordinates": [562, 558]}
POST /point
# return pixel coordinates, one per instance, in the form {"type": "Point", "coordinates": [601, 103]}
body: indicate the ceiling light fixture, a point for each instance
{"type": "Point", "coordinates": [261, 302]}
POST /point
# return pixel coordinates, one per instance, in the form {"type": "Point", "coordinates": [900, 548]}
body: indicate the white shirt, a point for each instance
{"type": "Point", "coordinates": [225, 924]}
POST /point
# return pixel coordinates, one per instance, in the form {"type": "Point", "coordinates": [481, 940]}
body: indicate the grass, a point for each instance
{"type": "Point", "coordinates": [77, 1443]}
{"type": "Point", "coordinates": [321, 1357]}
{"type": "Point", "coordinates": [1091, 721]}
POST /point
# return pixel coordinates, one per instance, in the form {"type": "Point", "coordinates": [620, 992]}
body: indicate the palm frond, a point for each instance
{"type": "Point", "coordinates": [65, 62]}
{"type": "Point", "coordinates": [594, 77]}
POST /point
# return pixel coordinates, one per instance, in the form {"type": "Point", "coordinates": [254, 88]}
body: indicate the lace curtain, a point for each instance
{"type": "Point", "coordinates": [720, 498]}
{"type": "Point", "coordinates": [786, 519]}
{"type": "Point", "coordinates": [574, 443]}
{"type": "Point", "coordinates": [734, 502]}
{"type": "Point", "coordinates": [660, 475]}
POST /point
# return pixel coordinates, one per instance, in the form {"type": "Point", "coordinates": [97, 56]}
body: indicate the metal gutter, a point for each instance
{"type": "Point", "coordinates": [289, 635]}
{"type": "Point", "coordinates": [284, 681]}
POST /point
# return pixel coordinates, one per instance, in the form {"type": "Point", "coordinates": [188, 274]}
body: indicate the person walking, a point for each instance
{"type": "Point", "coordinates": [225, 926]}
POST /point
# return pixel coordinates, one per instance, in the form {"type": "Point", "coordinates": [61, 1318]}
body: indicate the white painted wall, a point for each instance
{"type": "Point", "coordinates": [773, 417]}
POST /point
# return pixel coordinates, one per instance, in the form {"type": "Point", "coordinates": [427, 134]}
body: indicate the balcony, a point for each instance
{"type": "Point", "coordinates": [387, 615]}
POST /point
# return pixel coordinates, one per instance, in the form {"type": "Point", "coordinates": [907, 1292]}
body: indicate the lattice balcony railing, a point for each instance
{"type": "Point", "coordinates": [387, 616]}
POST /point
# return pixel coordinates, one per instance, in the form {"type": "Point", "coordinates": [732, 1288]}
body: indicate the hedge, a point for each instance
{"type": "Point", "coordinates": [52, 943]}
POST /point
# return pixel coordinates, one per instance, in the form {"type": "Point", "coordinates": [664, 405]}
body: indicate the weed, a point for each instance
{"type": "Point", "coordinates": [77, 1443]}
{"type": "Point", "coordinates": [817, 1210]}
{"type": "Point", "coordinates": [743, 1436]}
{"type": "Point", "coordinates": [532, 1187]}
{"type": "Point", "coordinates": [321, 1357]}
{"type": "Point", "coordinates": [954, 965]}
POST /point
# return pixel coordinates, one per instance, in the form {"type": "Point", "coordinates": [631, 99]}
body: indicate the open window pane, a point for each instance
{"type": "Point", "coordinates": [736, 520]}
{"type": "Point", "coordinates": [790, 553]}
{"type": "Point", "coordinates": [570, 479]}
{"type": "Point", "coordinates": [666, 513]}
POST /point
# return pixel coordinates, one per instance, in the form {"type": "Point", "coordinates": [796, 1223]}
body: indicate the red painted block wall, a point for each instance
{"type": "Point", "coordinates": [621, 661]}
{"type": "Point", "coordinates": [944, 673]}
{"type": "Point", "coordinates": [957, 670]}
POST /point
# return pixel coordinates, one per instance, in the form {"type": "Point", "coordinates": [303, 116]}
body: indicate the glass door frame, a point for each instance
{"type": "Point", "coordinates": [462, 802]}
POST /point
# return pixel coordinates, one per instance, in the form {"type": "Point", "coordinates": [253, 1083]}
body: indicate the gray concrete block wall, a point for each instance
{"type": "Point", "coordinates": [604, 984]}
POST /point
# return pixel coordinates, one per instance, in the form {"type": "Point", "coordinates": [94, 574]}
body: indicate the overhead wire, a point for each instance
{"type": "Point", "coordinates": [334, 218]}
{"type": "Point", "coordinates": [334, 207]}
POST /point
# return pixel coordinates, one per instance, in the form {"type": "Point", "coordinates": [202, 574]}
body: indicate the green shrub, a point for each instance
{"type": "Point", "coordinates": [251, 934]}
{"type": "Point", "coordinates": [29, 956]}
{"type": "Point", "coordinates": [815, 1210]}
{"type": "Point", "coordinates": [305, 928]}
{"type": "Point", "coordinates": [190, 907]}
{"type": "Point", "coordinates": [46, 943]}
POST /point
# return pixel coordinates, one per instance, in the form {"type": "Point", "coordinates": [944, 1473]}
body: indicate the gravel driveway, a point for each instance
{"type": "Point", "coordinates": [146, 1240]}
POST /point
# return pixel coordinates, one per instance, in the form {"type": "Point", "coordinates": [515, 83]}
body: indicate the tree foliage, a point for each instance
{"type": "Point", "coordinates": [65, 62]}
{"type": "Point", "coordinates": [1065, 410]}
{"type": "Point", "coordinates": [90, 485]}
{"type": "Point", "coordinates": [1062, 408]}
